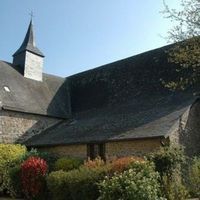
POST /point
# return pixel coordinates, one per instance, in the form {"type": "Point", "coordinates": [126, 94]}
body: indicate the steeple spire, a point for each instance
{"type": "Point", "coordinates": [28, 58]}
{"type": "Point", "coordinates": [29, 43]}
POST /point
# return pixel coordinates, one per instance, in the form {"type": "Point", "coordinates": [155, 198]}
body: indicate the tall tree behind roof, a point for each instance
{"type": "Point", "coordinates": [186, 32]}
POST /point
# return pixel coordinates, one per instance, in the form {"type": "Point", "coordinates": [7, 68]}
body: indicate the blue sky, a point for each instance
{"type": "Point", "coordinates": [76, 35]}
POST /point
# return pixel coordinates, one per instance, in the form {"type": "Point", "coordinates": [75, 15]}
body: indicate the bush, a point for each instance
{"type": "Point", "coordinates": [67, 164]}
{"type": "Point", "coordinates": [194, 177]}
{"type": "Point", "coordinates": [57, 185]}
{"type": "Point", "coordinates": [15, 181]}
{"type": "Point", "coordinates": [50, 158]}
{"type": "Point", "coordinates": [138, 182]}
{"type": "Point", "coordinates": [97, 162]}
{"type": "Point", "coordinates": [10, 156]}
{"type": "Point", "coordinates": [33, 172]}
{"type": "Point", "coordinates": [168, 159]}
{"type": "Point", "coordinates": [76, 184]}
{"type": "Point", "coordinates": [173, 190]}
{"type": "Point", "coordinates": [121, 164]}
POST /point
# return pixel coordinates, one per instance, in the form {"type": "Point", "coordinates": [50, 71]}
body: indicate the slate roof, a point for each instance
{"type": "Point", "coordinates": [49, 98]}
{"type": "Point", "coordinates": [123, 100]}
{"type": "Point", "coordinates": [29, 43]}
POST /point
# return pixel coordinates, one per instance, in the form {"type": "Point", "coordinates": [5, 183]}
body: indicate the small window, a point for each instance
{"type": "Point", "coordinates": [95, 150]}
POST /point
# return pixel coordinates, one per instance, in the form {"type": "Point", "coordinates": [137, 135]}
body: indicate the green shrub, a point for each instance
{"type": "Point", "coordinates": [168, 159]}
{"type": "Point", "coordinates": [67, 164]}
{"type": "Point", "coordinates": [138, 182]}
{"type": "Point", "coordinates": [168, 162]}
{"type": "Point", "coordinates": [15, 181]}
{"type": "Point", "coordinates": [10, 156]}
{"type": "Point", "coordinates": [173, 190]}
{"type": "Point", "coordinates": [57, 185]}
{"type": "Point", "coordinates": [76, 184]}
{"type": "Point", "coordinates": [194, 177]}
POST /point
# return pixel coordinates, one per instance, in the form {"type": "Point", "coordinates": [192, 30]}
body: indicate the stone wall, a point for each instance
{"type": "Point", "coordinates": [177, 128]}
{"type": "Point", "coordinates": [187, 132]}
{"type": "Point", "coordinates": [33, 66]}
{"type": "Point", "coordinates": [134, 147]}
{"type": "Point", "coordinates": [190, 132]}
{"type": "Point", "coordinates": [18, 127]}
{"type": "Point", "coordinates": [112, 149]}
{"type": "Point", "coordinates": [79, 151]}
{"type": "Point", "coordinates": [30, 65]}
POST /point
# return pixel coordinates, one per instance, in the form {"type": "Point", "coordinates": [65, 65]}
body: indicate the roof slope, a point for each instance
{"type": "Point", "coordinates": [50, 97]}
{"type": "Point", "coordinates": [119, 101]}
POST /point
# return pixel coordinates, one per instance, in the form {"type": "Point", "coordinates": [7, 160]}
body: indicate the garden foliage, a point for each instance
{"type": "Point", "coordinates": [50, 158]}
{"type": "Point", "coordinates": [173, 189]}
{"type": "Point", "coordinates": [168, 159]}
{"type": "Point", "coordinates": [97, 162]}
{"type": "Point", "coordinates": [15, 181]}
{"type": "Point", "coordinates": [194, 174]}
{"type": "Point", "coordinates": [140, 181]}
{"type": "Point", "coordinates": [67, 164]}
{"type": "Point", "coordinates": [10, 156]}
{"type": "Point", "coordinates": [76, 184]}
{"type": "Point", "coordinates": [25, 174]}
{"type": "Point", "coordinates": [121, 164]}
{"type": "Point", "coordinates": [33, 173]}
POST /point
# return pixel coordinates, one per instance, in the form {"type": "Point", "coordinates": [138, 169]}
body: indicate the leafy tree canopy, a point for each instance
{"type": "Point", "coordinates": [186, 52]}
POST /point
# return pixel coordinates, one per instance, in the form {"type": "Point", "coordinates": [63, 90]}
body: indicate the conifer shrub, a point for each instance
{"type": "Point", "coordinates": [140, 181]}
{"type": "Point", "coordinates": [10, 156]}
{"type": "Point", "coordinates": [75, 184]}
{"type": "Point", "coordinates": [67, 164]}
{"type": "Point", "coordinates": [33, 174]}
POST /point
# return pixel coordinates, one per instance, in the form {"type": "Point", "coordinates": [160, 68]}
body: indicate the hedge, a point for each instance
{"type": "Point", "coordinates": [76, 184]}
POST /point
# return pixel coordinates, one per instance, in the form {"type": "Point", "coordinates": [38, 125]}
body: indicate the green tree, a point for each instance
{"type": "Point", "coordinates": [186, 33]}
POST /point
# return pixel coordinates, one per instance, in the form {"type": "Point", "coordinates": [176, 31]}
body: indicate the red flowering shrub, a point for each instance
{"type": "Point", "coordinates": [33, 172]}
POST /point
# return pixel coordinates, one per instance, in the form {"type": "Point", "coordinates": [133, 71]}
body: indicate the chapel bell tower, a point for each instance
{"type": "Point", "coordinates": [28, 57]}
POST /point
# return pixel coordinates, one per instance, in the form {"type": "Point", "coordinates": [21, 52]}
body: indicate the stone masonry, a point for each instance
{"type": "Point", "coordinates": [18, 127]}
{"type": "Point", "coordinates": [33, 66]}
{"type": "Point", "coordinates": [187, 130]}
{"type": "Point", "coordinates": [112, 149]}
{"type": "Point", "coordinates": [135, 147]}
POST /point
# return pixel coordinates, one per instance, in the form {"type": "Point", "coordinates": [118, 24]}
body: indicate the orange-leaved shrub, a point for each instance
{"type": "Point", "coordinates": [97, 162]}
{"type": "Point", "coordinates": [33, 173]}
{"type": "Point", "coordinates": [121, 164]}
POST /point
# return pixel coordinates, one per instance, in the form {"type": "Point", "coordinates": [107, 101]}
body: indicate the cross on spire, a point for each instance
{"type": "Point", "coordinates": [31, 14]}
{"type": "Point", "coordinates": [29, 41]}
